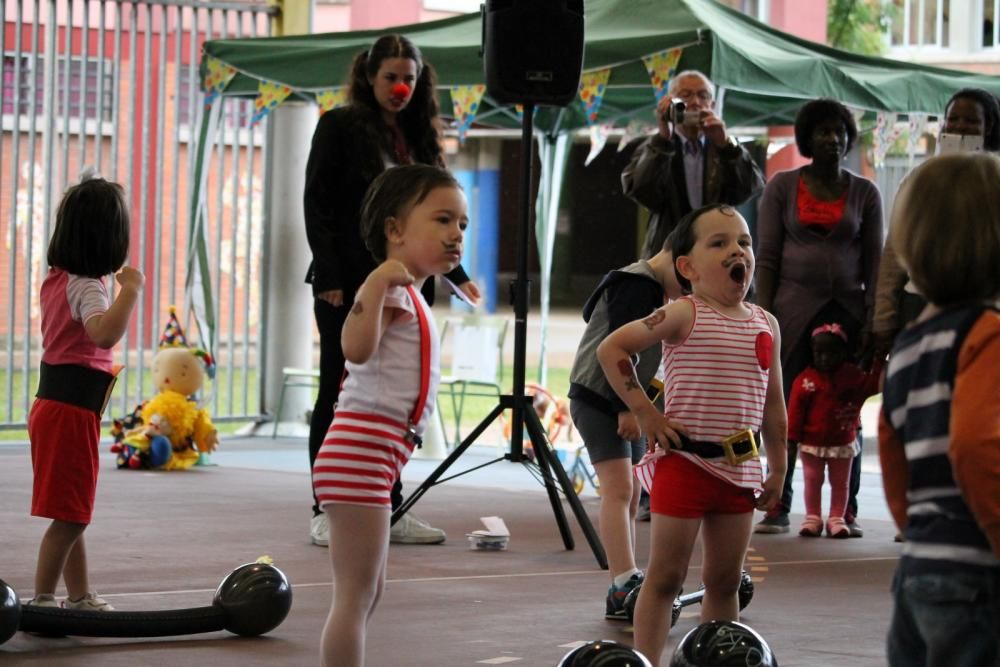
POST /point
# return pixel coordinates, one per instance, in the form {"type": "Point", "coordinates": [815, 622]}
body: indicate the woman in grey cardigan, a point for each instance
{"type": "Point", "coordinates": [819, 234]}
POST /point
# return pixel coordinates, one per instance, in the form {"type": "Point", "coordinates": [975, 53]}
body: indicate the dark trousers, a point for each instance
{"type": "Point", "coordinates": [798, 358]}
{"type": "Point", "coordinates": [330, 322]}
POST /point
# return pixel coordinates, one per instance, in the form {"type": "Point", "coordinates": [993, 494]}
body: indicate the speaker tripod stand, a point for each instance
{"type": "Point", "coordinates": [522, 413]}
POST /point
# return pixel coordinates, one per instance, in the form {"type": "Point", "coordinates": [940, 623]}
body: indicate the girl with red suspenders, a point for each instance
{"type": "Point", "coordinates": [413, 221]}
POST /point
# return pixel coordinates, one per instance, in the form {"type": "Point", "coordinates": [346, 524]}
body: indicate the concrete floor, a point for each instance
{"type": "Point", "coordinates": [166, 540]}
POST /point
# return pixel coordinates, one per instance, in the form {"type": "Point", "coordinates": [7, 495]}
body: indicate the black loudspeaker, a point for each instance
{"type": "Point", "coordinates": [533, 50]}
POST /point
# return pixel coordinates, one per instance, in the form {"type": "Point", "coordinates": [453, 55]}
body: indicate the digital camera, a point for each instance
{"type": "Point", "coordinates": [677, 113]}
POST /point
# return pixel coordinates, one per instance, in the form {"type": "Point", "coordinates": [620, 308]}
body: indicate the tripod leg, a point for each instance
{"type": "Point", "coordinates": [541, 448]}
{"type": "Point", "coordinates": [548, 460]}
{"type": "Point", "coordinates": [440, 470]}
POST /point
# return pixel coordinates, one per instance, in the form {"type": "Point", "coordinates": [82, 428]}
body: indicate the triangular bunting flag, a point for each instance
{"type": "Point", "coordinates": [634, 130]}
{"type": "Point", "coordinates": [218, 77]}
{"type": "Point", "coordinates": [661, 67]}
{"type": "Point", "coordinates": [331, 99]}
{"type": "Point", "coordinates": [465, 101]}
{"type": "Point", "coordinates": [592, 88]}
{"type": "Point", "coordinates": [598, 138]}
{"type": "Point", "coordinates": [883, 137]}
{"type": "Point", "coordinates": [269, 96]}
{"type": "Point", "coordinates": [918, 121]}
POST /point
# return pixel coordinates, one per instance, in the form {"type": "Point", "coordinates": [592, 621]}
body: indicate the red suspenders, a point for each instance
{"type": "Point", "coordinates": [425, 368]}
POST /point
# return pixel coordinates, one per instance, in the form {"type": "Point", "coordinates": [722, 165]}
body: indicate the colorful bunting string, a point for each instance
{"type": "Point", "coordinates": [331, 99]}
{"type": "Point", "coordinates": [218, 78]}
{"type": "Point", "coordinates": [592, 88]}
{"type": "Point", "coordinates": [465, 102]}
{"type": "Point", "coordinates": [269, 96]}
{"type": "Point", "coordinates": [661, 67]}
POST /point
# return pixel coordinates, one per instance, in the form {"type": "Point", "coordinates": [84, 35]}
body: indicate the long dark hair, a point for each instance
{"type": "Point", "coordinates": [420, 120]}
{"type": "Point", "coordinates": [91, 237]}
{"type": "Point", "coordinates": [991, 114]}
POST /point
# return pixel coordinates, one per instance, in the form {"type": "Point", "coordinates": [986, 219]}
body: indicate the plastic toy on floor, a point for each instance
{"type": "Point", "coordinates": [169, 431]}
{"type": "Point", "coordinates": [552, 411]}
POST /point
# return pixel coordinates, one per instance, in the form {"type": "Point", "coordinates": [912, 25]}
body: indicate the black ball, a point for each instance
{"type": "Point", "coordinates": [10, 611]}
{"type": "Point", "coordinates": [604, 653]}
{"type": "Point", "coordinates": [723, 644]}
{"type": "Point", "coordinates": [256, 598]}
{"type": "Point", "coordinates": [745, 592]}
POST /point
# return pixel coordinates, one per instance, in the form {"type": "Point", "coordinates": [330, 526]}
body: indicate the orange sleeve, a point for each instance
{"type": "Point", "coordinates": [974, 450]}
{"type": "Point", "coordinates": [895, 470]}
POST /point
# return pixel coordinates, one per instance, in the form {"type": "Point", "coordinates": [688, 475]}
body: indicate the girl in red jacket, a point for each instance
{"type": "Point", "coordinates": [823, 412]}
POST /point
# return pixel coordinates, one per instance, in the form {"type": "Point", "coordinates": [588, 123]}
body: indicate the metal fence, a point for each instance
{"type": "Point", "coordinates": [114, 84]}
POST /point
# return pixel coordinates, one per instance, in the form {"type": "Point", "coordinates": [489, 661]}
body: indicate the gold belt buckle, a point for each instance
{"type": "Point", "coordinates": [739, 438]}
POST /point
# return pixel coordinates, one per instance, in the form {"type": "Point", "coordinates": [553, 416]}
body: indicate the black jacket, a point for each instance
{"type": "Point", "coordinates": [346, 156]}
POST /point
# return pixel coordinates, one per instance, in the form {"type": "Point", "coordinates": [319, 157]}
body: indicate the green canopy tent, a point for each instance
{"type": "Point", "coordinates": [763, 76]}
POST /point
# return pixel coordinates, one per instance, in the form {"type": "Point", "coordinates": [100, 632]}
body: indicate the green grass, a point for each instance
{"type": "Point", "coordinates": [475, 409]}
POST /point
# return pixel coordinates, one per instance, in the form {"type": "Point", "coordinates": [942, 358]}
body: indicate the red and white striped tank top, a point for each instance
{"type": "Point", "coordinates": [716, 383]}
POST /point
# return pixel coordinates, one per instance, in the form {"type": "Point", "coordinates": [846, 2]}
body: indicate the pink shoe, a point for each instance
{"type": "Point", "coordinates": [836, 528]}
{"type": "Point", "coordinates": [812, 526]}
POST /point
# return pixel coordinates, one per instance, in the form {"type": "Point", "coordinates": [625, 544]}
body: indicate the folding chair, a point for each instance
{"type": "Point", "coordinates": [476, 364]}
{"type": "Point", "coordinates": [293, 377]}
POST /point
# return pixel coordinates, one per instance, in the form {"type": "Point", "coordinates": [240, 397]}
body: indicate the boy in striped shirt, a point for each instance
{"type": "Point", "coordinates": [939, 432]}
{"type": "Point", "coordinates": [722, 384]}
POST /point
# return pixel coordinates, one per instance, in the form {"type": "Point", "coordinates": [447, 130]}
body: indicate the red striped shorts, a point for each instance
{"type": "Point", "coordinates": [360, 459]}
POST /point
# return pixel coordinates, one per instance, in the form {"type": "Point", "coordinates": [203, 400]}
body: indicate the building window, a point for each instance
{"type": "Point", "coordinates": [82, 75]}
{"type": "Point", "coordinates": [754, 8]}
{"type": "Point", "coordinates": [920, 24]}
{"type": "Point", "coordinates": [991, 38]}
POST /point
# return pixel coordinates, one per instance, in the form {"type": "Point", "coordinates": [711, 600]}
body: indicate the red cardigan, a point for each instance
{"type": "Point", "coordinates": [824, 408]}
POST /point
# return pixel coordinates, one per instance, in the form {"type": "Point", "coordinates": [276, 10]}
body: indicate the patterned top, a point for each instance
{"type": "Point", "coordinates": [67, 302]}
{"type": "Point", "coordinates": [824, 408]}
{"type": "Point", "coordinates": [716, 384]}
{"type": "Point", "coordinates": [951, 496]}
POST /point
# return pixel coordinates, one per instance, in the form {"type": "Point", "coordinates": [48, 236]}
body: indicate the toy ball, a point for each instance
{"type": "Point", "coordinates": [10, 611]}
{"type": "Point", "coordinates": [723, 644]}
{"type": "Point", "coordinates": [256, 598]}
{"type": "Point", "coordinates": [401, 90]}
{"type": "Point", "coordinates": [604, 653]}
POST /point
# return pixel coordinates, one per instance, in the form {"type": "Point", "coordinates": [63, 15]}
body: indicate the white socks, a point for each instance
{"type": "Point", "coordinates": [622, 578]}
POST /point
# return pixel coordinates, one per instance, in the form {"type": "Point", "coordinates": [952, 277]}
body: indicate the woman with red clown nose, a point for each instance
{"type": "Point", "coordinates": [391, 119]}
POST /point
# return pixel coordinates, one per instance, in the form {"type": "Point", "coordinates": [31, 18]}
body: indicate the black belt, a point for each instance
{"type": "Point", "coordinates": [83, 387]}
{"type": "Point", "coordinates": [736, 448]}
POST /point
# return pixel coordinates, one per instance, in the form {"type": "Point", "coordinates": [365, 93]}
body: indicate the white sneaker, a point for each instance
{"type": "Point", "coordinates": [89, 602]}
{"type": "Point", "coordinates": [43, 600]}
{"type": "Point", "coordinates": [411, 530]}
{"type": "Point", "coordinates": [319, 530]}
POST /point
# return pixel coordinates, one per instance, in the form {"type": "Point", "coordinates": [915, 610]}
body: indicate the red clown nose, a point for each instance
{"type": "Point", "coordinates": [401, 90]}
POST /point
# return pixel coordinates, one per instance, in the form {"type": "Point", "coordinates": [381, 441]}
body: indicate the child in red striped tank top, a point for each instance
{"type": "Point", "coordinates": [722, 379]}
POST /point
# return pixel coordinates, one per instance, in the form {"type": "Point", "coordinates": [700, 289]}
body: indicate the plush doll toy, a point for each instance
{"type": "Point", "coordinates": [171, 431]}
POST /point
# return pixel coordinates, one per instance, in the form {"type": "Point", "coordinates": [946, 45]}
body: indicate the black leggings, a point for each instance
{"type": "Point", "coordinates": [330, 322]}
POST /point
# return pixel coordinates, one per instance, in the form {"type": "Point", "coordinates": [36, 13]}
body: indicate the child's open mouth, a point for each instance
{"type": "Point", "coordinates": [738, 272]}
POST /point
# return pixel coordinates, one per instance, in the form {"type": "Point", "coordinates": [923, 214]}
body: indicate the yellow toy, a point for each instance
{"type": "Point", "coordinates": [172, 431]}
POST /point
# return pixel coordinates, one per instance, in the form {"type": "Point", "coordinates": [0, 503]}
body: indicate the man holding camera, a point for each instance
{"type": "Point", "coordinates": [691, 162]}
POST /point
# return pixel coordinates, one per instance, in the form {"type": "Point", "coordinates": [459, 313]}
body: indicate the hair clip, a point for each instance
{"type": "Point", "coordinates": [89, 173]}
